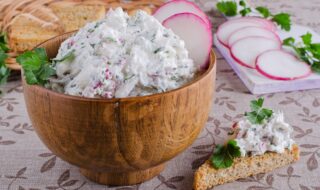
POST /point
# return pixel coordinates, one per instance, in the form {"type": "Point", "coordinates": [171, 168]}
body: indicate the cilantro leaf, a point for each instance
{"type": "Point", "coordinates": [4, 70]}
{"type": "Point", "coordinates": [307, 38]}
{"type": "Point", "coordinates": [3, 57]}
{"type": "Point", "coordinates": [316, 68]}
{"type": "Point", "coordinates": [4, 42]}
{"type": "Point", "coordinates": [288, 41]}
{"type": "Point", "coordinates": [308, 52]}
{"type": "Point", "coordinates": [4, 74]}
{"type": "Point", "coordinates": [283, 20]}
{"type": "Point", "coordinates": [258, 114]}
{"type": "Point", "coordinates": [29, 60]}
{"type": "Point", "coordinates": [223, 156]}
{"type": "Point", "coordinates": [228, 8]}
{"type": "Point", "coordinates": [264, 11]}
{"type": "Point", "coordinates": [36, 66]}
{"type": "Point", "coordinates": [245, 11]}
{"type": "Point", "coordinates": [255, 105]}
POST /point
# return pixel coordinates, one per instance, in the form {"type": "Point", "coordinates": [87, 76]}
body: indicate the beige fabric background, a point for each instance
{"type": "Point", "coordinates": [26, 164]}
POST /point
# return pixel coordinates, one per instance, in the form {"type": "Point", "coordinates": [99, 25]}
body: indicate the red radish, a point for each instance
{"type": "Point", "coordinates": [196, 35]}
{"type": "Point", "coordinates": [268, 23]}
{"type": "Point", "coordinates": [179, 6]}
{"type": "Point", "coordinates": [229, 27]}
{"type": "Point", "coordinates": [280, 65]}
{"type": "Point", "coordinates": [251, 31]}
{"type": "Point", "coordinates": [246, 50]}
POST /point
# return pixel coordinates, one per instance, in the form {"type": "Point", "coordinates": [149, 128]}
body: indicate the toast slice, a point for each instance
{"type": "Point", "coordinates": [207, 176]}
{"type": "Point", "coordinates": [26, 31]}
{"type": "Point", "coordinates": [73, 16]}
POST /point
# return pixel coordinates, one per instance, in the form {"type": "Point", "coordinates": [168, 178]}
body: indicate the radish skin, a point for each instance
{"type": "Point", "coordinates": [246, 50]}
{"type": "Point", "coordinates": [196, 35]}
{"type": "Point", "coordinates": [229, 27]}
{"type": "Point", "coordinates": [250, 32]}
{"type": "Point", "coordinates": [179, 6]}
{"type": "Point", "coordinates": [268, 23]}
{"type": "Point", "coordinates": [281, 65]}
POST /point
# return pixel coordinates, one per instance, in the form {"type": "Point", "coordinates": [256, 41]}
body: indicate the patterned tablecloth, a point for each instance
{"type": "Point", "coordinates": [25, 163]}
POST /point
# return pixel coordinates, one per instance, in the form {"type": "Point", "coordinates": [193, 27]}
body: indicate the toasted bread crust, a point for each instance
{"type": "Point", "coordinates": [27, 30]}
{"type": "Point", "coordinates": [206, 176]}
{"type": "Point", "coordinates": [74, 16]}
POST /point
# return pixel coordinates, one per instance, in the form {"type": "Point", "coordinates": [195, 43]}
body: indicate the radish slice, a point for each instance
{"type": "Point", "coordinates": [251, 31]}
{"type": "Point", "coordinates": [267, 23]}
{"type": "Point", "coordinates": [226, 29]}
{"type": "Point", "coordinates": [179, 6]}
{"type": "Point", "coordinates": [280, 65]}
{"type": "Point", "coordinates": [195, 33]}
{"type": "Point", "coordinates": [246, 50]}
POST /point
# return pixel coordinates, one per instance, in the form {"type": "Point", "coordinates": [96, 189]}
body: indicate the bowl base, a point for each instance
{"type": "Point", "coordinates": [125, 178]}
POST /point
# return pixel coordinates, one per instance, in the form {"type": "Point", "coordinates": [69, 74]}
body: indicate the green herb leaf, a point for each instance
{"type": "Point", "coordinates": [264, 11]}
{"type": "Point", "coordinates": [36, 66]}
{"type": "Point", "coordinates": [288, 41]}
{"type": "Point", "coordinates": [29, 60]}
{"type": "Point", "coordinates": [4, 70]}
{"type": "Point", "coordinates": [67, 58]}
{"type": "Point", "coordinates": [316, 68]}
{"type": "Point", "coordinates": [307, 38]}
{"type": "Point", "coordinates": [242, 3]}
{"type": "Point", "coordinates": [4, 42]}
{"type": "Point", "coordinates": [228, 8]}
{"type": "Point", "coordinates": [223, 155]}
{"type": "Point", "coordinates": [308, 52]}
{"type": "Point", "coordinates": [245, 11]}
{"type": "Point", "coordinates": [283, 20]}
{"type": "Point", "coordinates": [258, 114]}
{"type": "Point", "coordinates": [4, 74]}
{"type": "Point", "coordinates": [3, 57]}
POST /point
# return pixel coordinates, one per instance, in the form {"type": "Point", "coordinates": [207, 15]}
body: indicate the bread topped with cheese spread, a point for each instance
{"type": "Point", "coordinates": [259, 143]}
{"type": "Point", "coordinates": [207, 176]}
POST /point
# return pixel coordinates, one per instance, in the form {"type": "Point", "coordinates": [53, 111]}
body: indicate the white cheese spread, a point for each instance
{"type": "Point", "coordinates": [122, 56]}
{"type": "Point", "coordinates": [274, 135]}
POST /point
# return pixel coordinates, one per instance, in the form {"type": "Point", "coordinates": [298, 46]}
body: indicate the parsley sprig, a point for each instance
{"type": "Point", "coordinates": [4, 70]}
{"type": "Point", "coordinates": [223, 155]}
{"type": "Point", "coordinates": [258, 114]}
{"type": "Point", "coordinates": [230, 8]}
{"type": "Point", "coordinates": [306, 50]}
{"type": "Point", "coordinates": [282, 19]}
{"type": "Point", "coordinates": [36, 66]}
{"type": "Point", "coordinates": [245, 9]}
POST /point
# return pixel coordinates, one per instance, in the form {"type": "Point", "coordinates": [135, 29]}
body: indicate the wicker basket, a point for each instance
{"type": "Point", "coordinates": [9, 9]}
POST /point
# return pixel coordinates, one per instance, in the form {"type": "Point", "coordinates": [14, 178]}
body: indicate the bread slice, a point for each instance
{"type": "Point", "coordinates": [29, 29]}
{"type": "Point", "coordinates": [26, 31]}
{"type": "Point", "coordinates": [206, 176]}
{"type": "Point", "coordinates": [73, 16]}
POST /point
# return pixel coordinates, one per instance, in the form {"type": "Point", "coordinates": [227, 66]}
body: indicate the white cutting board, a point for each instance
{"type": "Point", "coordinates": [259, 84]}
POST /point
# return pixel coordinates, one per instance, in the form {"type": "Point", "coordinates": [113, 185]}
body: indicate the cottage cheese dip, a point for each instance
{"type": "Point", "coordinates": [122, 56]}
{"type": "Point", "coordinates": [274, 135]}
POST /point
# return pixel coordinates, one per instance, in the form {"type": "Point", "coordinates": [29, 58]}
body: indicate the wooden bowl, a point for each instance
{"type": "Point", "coordinates": [120, 141]}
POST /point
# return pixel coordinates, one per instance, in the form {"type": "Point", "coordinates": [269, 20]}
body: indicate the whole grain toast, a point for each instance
{"type": "Point", "coordinates": [73, 16]}
{"type": "Point", "coordinates": [207, 176]}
